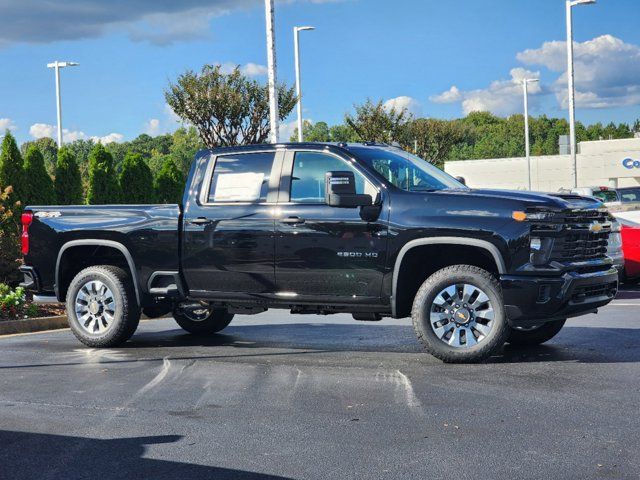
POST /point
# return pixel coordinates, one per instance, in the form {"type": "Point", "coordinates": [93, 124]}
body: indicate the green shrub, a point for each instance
{"type": "Point", "coordinates": [169, 183]}
{"type": "Point", "coordinates": [11, 171]}
{"type": "Point", "coordinates": [136, 181]}
{"type": "Point", "coordinates": [11, 301]}
{"type": "Point", "coordinates": [68, 184]}
{"type": "Point", "coordinates": [103, 180]}
{"type": "Point", "coordinates": [38, 187]}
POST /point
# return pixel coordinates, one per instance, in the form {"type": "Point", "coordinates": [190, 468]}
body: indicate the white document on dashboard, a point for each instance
{"type": "Point", "coordinates": [238, 187]}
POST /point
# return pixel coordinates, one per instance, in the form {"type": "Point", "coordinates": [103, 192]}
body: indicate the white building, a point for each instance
{"type": "Point", "coordinates": [613, 163]}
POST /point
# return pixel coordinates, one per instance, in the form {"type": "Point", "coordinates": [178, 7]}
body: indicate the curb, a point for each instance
{"type": "Point", "coordinates": [29, 325]}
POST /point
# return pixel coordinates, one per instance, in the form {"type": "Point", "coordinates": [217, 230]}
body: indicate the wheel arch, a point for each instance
{"type": "Point", "coordinates": [105, 244]}
{"type": "Point", "coordinates": [489, 248]}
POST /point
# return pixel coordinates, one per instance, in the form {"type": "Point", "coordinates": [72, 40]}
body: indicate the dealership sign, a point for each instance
{"type": "Point", "coordinates": [630, 163]}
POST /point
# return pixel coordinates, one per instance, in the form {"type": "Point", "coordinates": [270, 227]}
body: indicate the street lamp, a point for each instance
{"type": "Point", "coordinates": [271, 65]}
{"type": "Point", "coordinates": [57, 66]}
{"type": "Point", "coordinates": [296, 44]}
{"type": "Point", "coordinates": [525, 84]}
{"type": "Point", "coordinates": [571, 87]}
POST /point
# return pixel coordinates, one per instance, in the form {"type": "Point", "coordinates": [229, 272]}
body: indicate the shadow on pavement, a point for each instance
{"type": "Point", "coordinates": [573, 344]}
{"type": "Point", "coordinates": [33, 455]}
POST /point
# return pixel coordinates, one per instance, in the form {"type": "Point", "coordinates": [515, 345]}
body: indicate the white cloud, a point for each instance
{"type": "Point", "coordinates": [607, 71]}
{"type": "Point", "coordinates": [152, 127]}
{"type": "Point", "coordinates": [41, 130]}
{"type": "Point", "coordinates": [287, 129]}
{"type": "Point", "coordinates": [7, 124]}
{"type": "Point", "coordinates": [452, 95]}
{"type": "Point", "coordinates": [110, 138]}
{"type": "Point", "coordinates": [402, 103]}
{"type": "Point", "coordinates": [248, 69]}
{"type": "Point", "coordinates": [502, 97]}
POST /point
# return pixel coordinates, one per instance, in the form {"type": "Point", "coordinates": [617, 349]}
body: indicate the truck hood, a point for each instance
{"type": "Point", "coordinates": [553, 201]}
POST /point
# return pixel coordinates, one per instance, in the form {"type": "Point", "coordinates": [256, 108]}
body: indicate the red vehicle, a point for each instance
{"type": "Point", "coordinates": [630, 232]}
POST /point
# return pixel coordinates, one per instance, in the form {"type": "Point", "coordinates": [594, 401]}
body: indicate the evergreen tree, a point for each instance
{"type": "Point", "coordinates": [136, 181]}
{"type": "Point", "coordinates": [103, 181]}
{"type": "Point", "coordinates": [169, 183]}
{"type": "Point", "coordinates": [38, 187]}
{"type": "Point", "coordinates": [11, 171]}
{"type": "Point", "coordinates": [68, 184]}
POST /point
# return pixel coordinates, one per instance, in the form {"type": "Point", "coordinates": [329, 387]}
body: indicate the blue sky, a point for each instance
{"type": "Point", "coordinates": [438, 58]}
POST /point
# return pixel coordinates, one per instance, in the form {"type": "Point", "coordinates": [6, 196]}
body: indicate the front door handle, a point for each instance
{"type": "Point", "coordinates": [293, 220]}
{"type": "Point", "coordinates": [201, 221]}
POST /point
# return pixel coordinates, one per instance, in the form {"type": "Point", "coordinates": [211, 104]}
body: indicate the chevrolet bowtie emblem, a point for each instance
{"type": "Point", "coordinates": [595, 227]}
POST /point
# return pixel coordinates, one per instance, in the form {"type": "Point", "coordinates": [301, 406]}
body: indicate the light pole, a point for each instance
{"type": "Point", "coordinates": [571, 87]}
{"type": "Point", "coordinates": [57, 66]}
{"type": "Point", "coordinates": [296, 45]}
{"type": "Point", "coordinates": [525, 84]}
{"type": "Point", "coordinates": [271, 65]}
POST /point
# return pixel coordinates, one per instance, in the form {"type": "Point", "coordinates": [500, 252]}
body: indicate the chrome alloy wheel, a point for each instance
{"type": "Point", "coordinates": [196, 314]}
{"type": "Point", "coordinates": [95, 307]}
{"type": "Point", "coordinates": [462, 315]}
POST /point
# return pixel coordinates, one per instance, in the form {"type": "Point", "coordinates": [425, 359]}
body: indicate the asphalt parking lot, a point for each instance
{"type": "Point", "coordinates": [307, 397]}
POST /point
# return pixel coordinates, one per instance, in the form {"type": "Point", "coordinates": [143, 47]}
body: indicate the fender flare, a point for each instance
{"type": "Point", "coordinates": [471, 242]}
{"type": "Point", "coordinates": [99, 243]}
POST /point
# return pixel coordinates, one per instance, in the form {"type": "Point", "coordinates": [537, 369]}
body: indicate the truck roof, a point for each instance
{"type": "Point", "coordinates": [313, 145]}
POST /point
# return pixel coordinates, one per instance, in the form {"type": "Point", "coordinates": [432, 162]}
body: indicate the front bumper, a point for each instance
{"type": "Point", "coordinates": [530, 300]}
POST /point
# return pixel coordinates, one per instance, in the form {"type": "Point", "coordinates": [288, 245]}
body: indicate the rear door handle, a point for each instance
{"type": "Point", "coordinates": [201, 221]}
{"type": "Point", "coordinates": [293, 220]}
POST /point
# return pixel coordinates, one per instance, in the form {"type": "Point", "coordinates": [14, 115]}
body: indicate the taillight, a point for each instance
{"type": "Point", "coordinates": [27, 219]}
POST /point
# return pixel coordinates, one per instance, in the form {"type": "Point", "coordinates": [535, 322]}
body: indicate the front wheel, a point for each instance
{"type": "Point", "coordinates": [458, 314]}
{"type": "Point", "coordinates": [526, 336]}
{"type": "Point", "coordinates": [202, 320]}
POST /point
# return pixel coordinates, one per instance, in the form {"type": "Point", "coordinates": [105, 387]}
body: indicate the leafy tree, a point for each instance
{"type": "Point", "coordinates": [185, 143]}
{"type": "Point", "coordinates": [313, 132]}
{"type": "Point", "coordinates": [9, 236]}
{"type": "Point", "coordinates": [136, 181]}
{"type": "Point", "coordinates": [67, 184]}
{"type": "Point", "coordinates": [11, 170]}
{"type": "Point", "coordinates": [49, 150]}
{"type": "Point", "coordinates": [433, 139]}
{"type": "Point", "coordinates": [372, 122]}
{"type": "Point", "coordinates": [227, 109]}
{"type": "Point", "coordinates": [343, 133]}
{"type": "Point", "coordinates": [169, 183]}
{"type": "Point", "coordinates": [103, 180]}
{"type": "Point", "coordinates": [38, 187]}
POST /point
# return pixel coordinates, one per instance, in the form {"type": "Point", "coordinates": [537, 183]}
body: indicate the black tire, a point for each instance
{"type": "Point", "coordinates": [126, 314]}
{"type": "Point", "coordinates": [212, 321]}
{"type": "Point", "coordinates": [156, 311]}
{"type": "Point", "coordinates": [534, 336]}
{"type": "Point", "coordinates": [476, 277]}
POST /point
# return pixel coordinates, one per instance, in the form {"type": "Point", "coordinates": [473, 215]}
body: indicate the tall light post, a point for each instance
{"type": "Point", "coordinates": [525, 88]}
{"type": "Point", "coordinates": [571, 87]}
{"type": "Point", "coordinates": [296, 45]}
{"type": "Point", "coordinates": [57, 66]}
{"type": "Point", "coordinates": [271, 65]}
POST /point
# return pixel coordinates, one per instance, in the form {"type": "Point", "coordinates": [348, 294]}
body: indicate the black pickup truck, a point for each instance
{"type": "Point", "coordinates": [366, 229]}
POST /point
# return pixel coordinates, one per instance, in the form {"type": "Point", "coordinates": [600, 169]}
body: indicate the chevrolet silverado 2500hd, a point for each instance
{"type": "Point", "coordinates": [365, 229]}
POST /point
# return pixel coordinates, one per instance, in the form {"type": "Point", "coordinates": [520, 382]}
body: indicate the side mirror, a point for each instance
{"type": "Point", "coordinates": [461, 180]}
{"type": "Point", "coordinates": [340, 191]}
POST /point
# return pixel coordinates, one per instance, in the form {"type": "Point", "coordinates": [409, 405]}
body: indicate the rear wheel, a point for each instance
{"type": "Point", "coordinates": [534, 335]}
{"type": "Point", "coordinates": [102, 307]}
{"type": "Point", "coordinates": [458, 314]}
{"type": "Point", "coordinates": [202, 320]}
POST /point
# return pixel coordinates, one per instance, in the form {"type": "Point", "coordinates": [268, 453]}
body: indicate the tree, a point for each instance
{"type": "Point", "coordinates": [103, 181]}
{"type": "Point", "coordinates": [226, 109]}
{"type": "Point", "coordinates": [434, 139]}
{"type": "Point", "coordinates": [67, 184]}
{"type": "Point", "coordinates": [38, 187]}
{"type": "Point", "coordinates": [9, 236]}
{"type": "Point", "coordinates": [11, 170]}
{"type": "Point", "coordinates": [136, 181]}
{"type": "Point", "coordinates": [169, 183]}
{"type": "Point", "coordinates": [373, 122]}
{"type": "Point", "coordinates": [313, 132]}
{"type": "Point", "coordinates": [49, 150]}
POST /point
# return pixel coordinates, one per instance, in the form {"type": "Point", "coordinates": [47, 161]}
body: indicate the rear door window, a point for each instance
{"type": "Point", "coordinates": [241, 178]}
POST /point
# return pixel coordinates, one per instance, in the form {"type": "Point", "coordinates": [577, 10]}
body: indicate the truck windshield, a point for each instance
{"type": "Point", "coordinates": [407, 171]}
{"type": "Point", "coordinates": [628, 195]}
